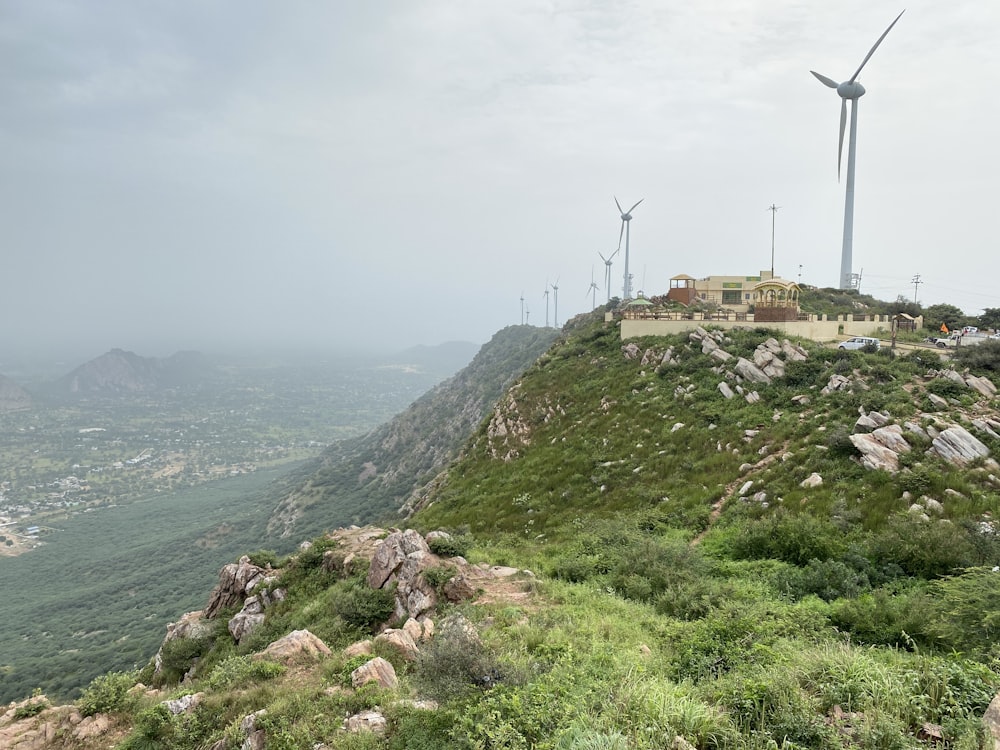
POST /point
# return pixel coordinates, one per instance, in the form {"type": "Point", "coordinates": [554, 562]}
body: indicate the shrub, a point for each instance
{"type": "Point", "coordinates": [965, 610]}
{"type": "Point", "coordinates": [364, 607]}
{"type": "Point", "coordinates": [793, 538]}
{"type": "Point", "coordinates": [242, 669]}
{"type": "Point", "coordinates": [827, 579]}
{"type": "Point", "coordinates": [927, 549]}
{"type": "Point", "coordinates": [879, 618]}
{"type": "Point", "coordinates": [452, 546]}
{"type": "Point", "coordinates": [31, 708]}
{"type": "Point", "coordinates": [108, 693]}
{"type": "Point", "coordinates": [453, 663]}
{"type": "Point", "coordinates": [178, 656]}
{"type": "Point", "coordinates": [946, 388]}
{"type": "Point", "coordinates": [984, 356]}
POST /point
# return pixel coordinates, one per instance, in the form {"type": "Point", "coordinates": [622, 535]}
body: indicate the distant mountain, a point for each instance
{"type": "Point", "coordinates": [12, 396]}
{"type": "Point", "coordinates": [121, 372]}
{"type": "Point", "coordinates": [372, 477]}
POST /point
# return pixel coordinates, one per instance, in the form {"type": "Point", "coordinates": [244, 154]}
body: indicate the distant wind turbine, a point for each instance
{"type": "Point", "coordinates": [522, 308]}
{"type": "Point", "coordinates": [592, 289]}
{"type": "Point", "coordinates": [851, 90]}
{"type": "Point", "coordinates": [546, 295]}
{"type": "Point", "coordinates": [555, 300]}
{"type": "Point", "coordinates": [626, 222]}
{"type": "Point", "coordinates": [607, 268]}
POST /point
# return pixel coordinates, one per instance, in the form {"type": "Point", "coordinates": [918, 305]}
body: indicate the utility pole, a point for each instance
{"type": "Point", "coordinates": [774, 210]}
{"type": "Point", "coordinates": [522, 308]}
{"type": "Point", "coordinates": [800, 274]}
{"type": "Point", "coordinates": [916, 283]}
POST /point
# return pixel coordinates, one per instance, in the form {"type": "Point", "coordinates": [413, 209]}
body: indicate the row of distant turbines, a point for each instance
{"type": "Point", "coordinates": [849, 90]}
{"type": "Point", "coordinates": [626, 217]}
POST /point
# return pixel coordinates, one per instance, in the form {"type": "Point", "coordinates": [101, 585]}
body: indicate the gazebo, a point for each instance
{"type": "Point", "coordinates": [775, 300]}
{"type": "Point", "coordinates": [682, 289]}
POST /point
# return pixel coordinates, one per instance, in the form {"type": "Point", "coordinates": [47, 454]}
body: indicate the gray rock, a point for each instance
{"type": "Point", "coordinates": [721, 355]}
{"type": "Point", "coordinates": [377, 670]}
{"type": "Point", "coordinates": [749, 371]}
{"type": "Point", "coordinates": [937, 401]}
{"type": "Point", "coordinates": [366, 721]}
{"type": "Point", "coordinates": [392, 553]}
{"type": "Point", "coordinates": [865, 424]}
{"type": "Point", "coordinates": [811, 481]}
{"type": "Point", "coordinates": [956, 445]}
{"type": "Point", "coordinates": [725, 390]}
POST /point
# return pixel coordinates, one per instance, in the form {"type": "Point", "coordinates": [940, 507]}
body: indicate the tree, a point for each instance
{"type": "Point", "coordinates": [949, 315]}
{"type": "Point", "coordinates": [990, 318]}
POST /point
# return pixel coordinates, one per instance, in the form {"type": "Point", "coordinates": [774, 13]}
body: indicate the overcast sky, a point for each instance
{"type": "Point", "coordinates": [217, 173]}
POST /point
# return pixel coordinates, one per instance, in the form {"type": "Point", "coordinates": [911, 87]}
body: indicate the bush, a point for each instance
{"type": "Point", "coordinates": [453, 663]}
{"type": "Point", "coordinates": [792, 538]}
{"type": "Point", "coordinates": [452, 546]}
{"type": "Point", "coordinates": [827, 579]}
{"type": "Point", "coordinates": [178, 656]}
{"type": "Point", "coordinates": [242, 669]}
{"type": "Point", "coordinates": [927, 549]}
{"type": "Point", "coordinates": [965, 610]}
{"type": "Point", "coordinates": [31, 708]}
{"type": "Point", "coordinates": [108, 693]}
{"type": "Point", "coordinates": [364, 607]}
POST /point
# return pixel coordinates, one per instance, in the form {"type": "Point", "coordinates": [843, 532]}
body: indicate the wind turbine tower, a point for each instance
{"type": "Point", "coordinates": [522, 308]}
{"type": "Point", "coordinates": [626, 222]}
{"type": "Point", "coordinates": [555, 301]}
{"type": "Point", "coordinates": [851, 90]}
{"type": "Point", "coordinates": [546, 295]}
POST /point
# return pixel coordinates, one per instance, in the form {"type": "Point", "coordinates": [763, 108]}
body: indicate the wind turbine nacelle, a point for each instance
{"type": "Point", "coordinates": [850, 90]}
{"type": "Point", "coordinates": [626, 217]}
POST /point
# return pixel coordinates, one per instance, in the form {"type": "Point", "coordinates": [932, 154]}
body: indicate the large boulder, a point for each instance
{"type": "Point", "coordinates": [390, 555]}
{"type": "Point", "coordinates": [749, 371]}
{"type": "Point", "coordinates": [958, 446]}
{"type": "Point", "coordinates": [377, 670]}
{"type": "Point", "coordinates": [296, 646]}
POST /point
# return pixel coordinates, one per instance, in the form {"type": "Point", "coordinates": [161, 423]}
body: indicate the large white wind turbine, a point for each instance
{"type": "Point", "coordinates": [607, 268]}
{"type": "Point", "coordinates": [853, 90]}
{"type": "Point", "coordinates": [626, 222]}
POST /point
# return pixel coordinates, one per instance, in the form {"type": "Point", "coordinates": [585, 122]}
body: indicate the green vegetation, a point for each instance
{"type": "Point", "coordinates": [687, 579]}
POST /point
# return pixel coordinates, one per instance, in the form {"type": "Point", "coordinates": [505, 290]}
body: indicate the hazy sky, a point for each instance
{"type": "Point", "coordinates": [187, 174]}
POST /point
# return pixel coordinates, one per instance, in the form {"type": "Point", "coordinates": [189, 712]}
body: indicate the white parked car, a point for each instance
{"type": "Point", "coordinates": [860, 342]}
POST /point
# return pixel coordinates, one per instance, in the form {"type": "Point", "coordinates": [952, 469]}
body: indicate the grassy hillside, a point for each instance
{"type": "Point", "coordinates": [693, 584]}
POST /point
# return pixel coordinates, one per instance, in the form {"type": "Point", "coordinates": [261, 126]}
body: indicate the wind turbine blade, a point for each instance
{"type": "Point", "coordinates": [843, 124]}
{"type": "Point", "coordinates": [637, 203]}
{"type": "Point", "coordinates": [875, 47]}
{"type": "Point", "coordinates": [619, 205]}
{"type": "Point", "coordinates": [618, 250]}
{"type": "Point", "coordinates": [824, 80]}
{"type": "Point", "coordinates": [620, 235]}
{"type": "Point", "coordinates": [602, 256]}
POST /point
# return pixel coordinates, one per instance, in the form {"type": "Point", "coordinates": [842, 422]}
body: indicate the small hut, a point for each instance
{"type": "Point", "coordinates": [775, 301]}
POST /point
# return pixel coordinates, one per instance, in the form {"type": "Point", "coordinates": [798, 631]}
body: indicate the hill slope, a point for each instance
{"type": "Point", "coordinates": [736, 542]}
{"type": "Point", "coordinates": [12, 396]}
{"type": "Point", "coordinates": [361, 480]}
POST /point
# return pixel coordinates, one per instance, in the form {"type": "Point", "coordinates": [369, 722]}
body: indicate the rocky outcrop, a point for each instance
{"type": "Point", "coordinates": [191, 625]}
{"type": "Point", "coordinates": [299, 645]}
{"type": "Point", "coordinates": [880, 448]}
{"type": "Point", "coordinates": [958, 446]}
{"type": "Point", "coordinates": [749, 371]}
{"type": "Point", "coordinates": [236, 582]}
